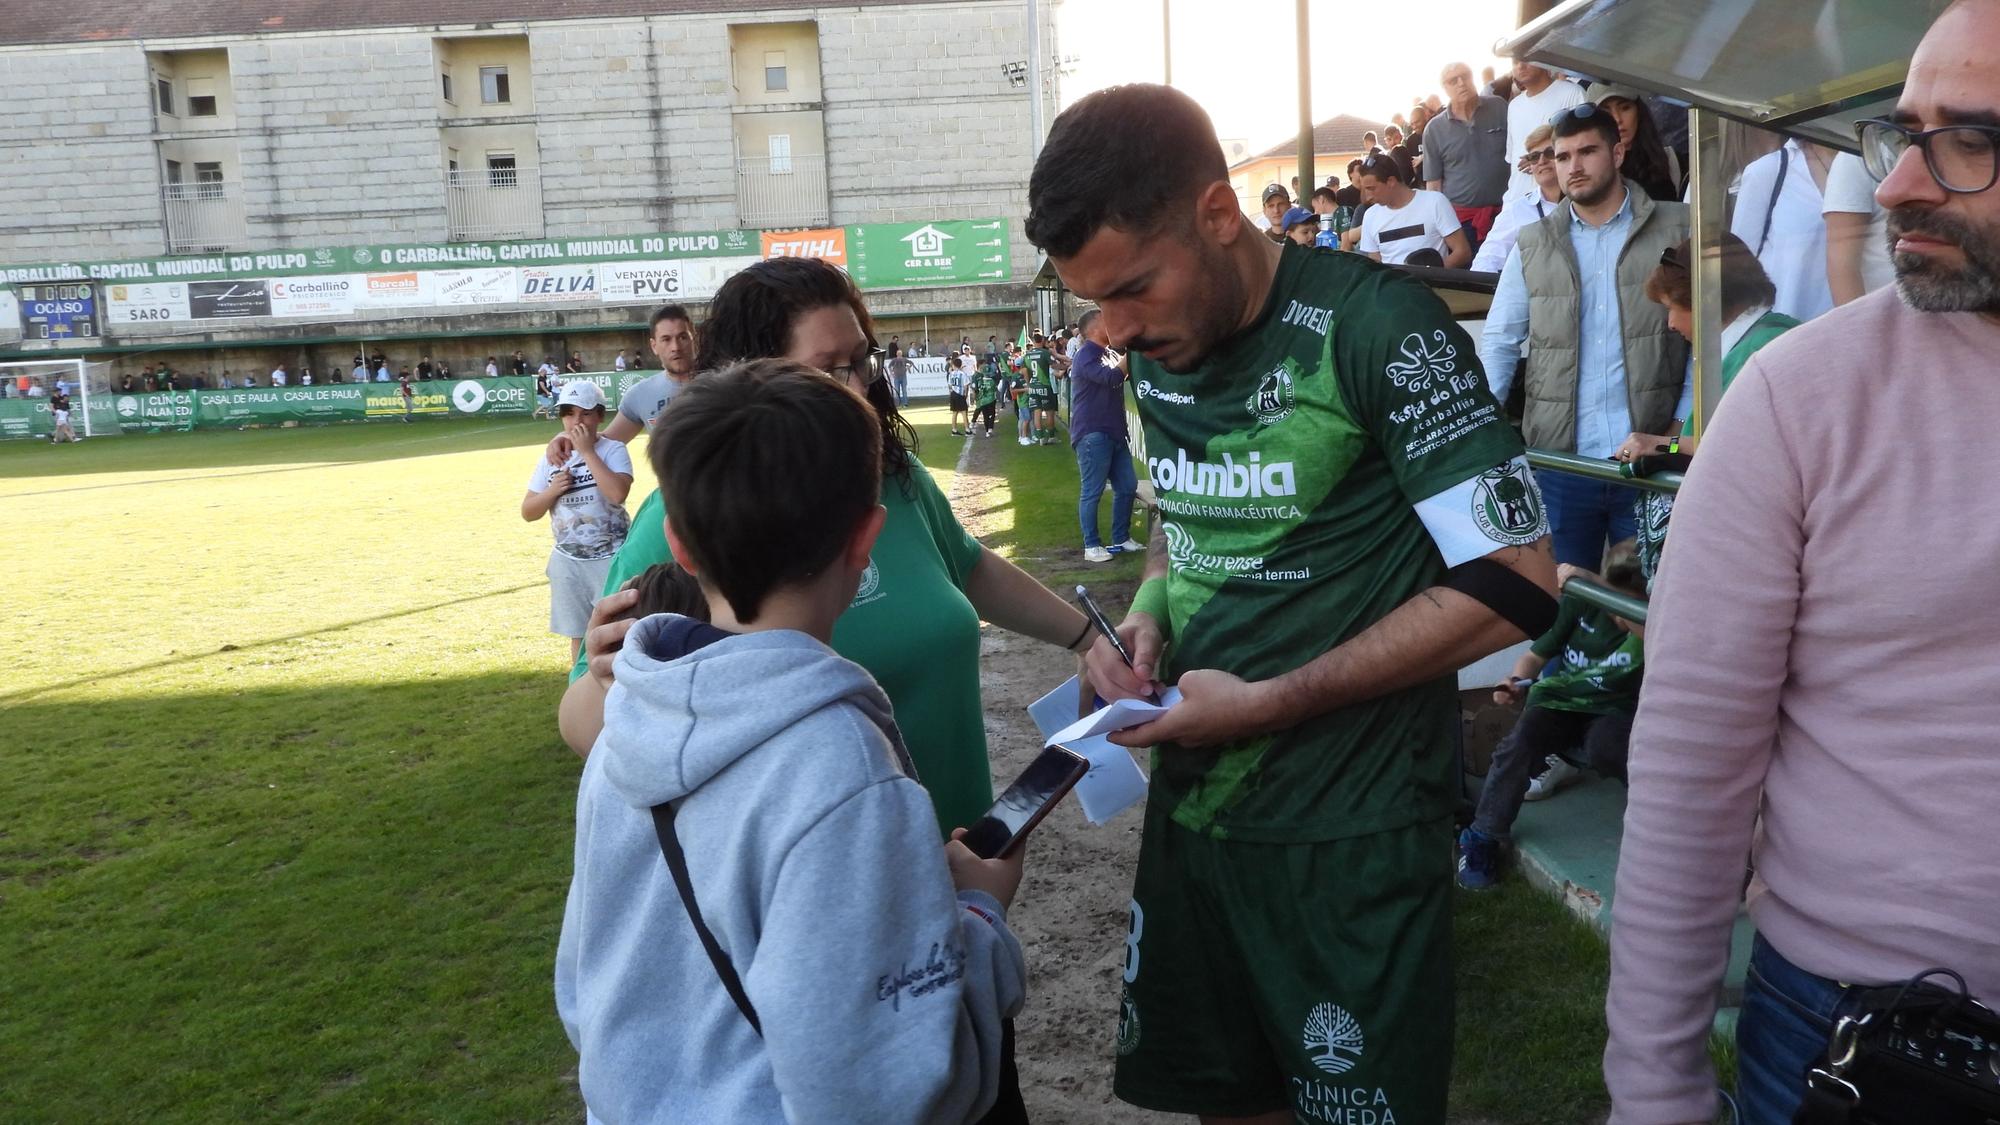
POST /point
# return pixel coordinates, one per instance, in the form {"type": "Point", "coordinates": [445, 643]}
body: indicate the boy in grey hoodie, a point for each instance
{"type": "Point", "coordinates": [879, 966]}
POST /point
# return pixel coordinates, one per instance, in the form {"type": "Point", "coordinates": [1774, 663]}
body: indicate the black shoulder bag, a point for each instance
{"type": "Point", "coordinates": [1914, 1054]}
{"type": "Point", "coordinates": [670, 846]}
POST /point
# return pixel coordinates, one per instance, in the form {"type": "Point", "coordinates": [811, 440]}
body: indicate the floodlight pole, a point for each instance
{"type": "Point", "coordinates": [1034, 81]}
{"type": "Point", "coordinates": [1305, 104]}
{"type": "Point", "coordinates": [1166, 42]}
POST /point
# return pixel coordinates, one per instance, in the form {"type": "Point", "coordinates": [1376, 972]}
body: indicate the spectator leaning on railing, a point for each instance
{"type": "Point", "coordinates": [1601, 360]}
{"type": "Point", "coordinates": [1823, 665]}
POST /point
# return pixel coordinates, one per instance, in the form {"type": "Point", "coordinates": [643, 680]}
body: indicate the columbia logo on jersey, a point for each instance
{"type": "Point", "coordinates": [1232, 478]}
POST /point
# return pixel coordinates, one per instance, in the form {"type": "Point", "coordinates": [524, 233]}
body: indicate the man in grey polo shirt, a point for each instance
{"type": "Point", "coordinates": [1465, 152]}
{"type": "Point", "coordinates": [672, 340]}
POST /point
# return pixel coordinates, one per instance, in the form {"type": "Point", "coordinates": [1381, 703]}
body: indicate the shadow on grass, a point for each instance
{"type": "Point", "coordinates": [330, 904]}
{"type": "Point", "coordinates": [336, 443]}
{"type": "Point", "coordinates": [167, 662]}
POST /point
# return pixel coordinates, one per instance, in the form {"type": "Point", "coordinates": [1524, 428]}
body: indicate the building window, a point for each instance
{"type": "Point", "coordinates": [781, 154]}
{"type": "Point", "coordinates": [208, 179]}
{"type": "Point", "coordinates": [163, 92]}
{"type": "Point", "coordinates": [451, 163]}
{"type": "Point", "coordinates": [493, 85]}
{"type": "Point", "coordinates": [500, 170]}
{"type": "Point", "coordinates": [173, 179]}
{"type": "Point", "coordinates": [774, 71]}
{"type": "Point", "coordinates": [444, 84]}
{"type": "Point", "coordinates": [201, 97]}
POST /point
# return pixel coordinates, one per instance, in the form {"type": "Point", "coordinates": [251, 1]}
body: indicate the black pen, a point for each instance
{"type": "Point", "coordinates": [1102, 624]}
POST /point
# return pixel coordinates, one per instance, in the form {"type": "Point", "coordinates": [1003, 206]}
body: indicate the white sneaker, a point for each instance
{"type": "Point", "coordinates": [1025, 441]}
{"type": "Point", "coordinates": [1131, 545]}
{"type": "Point", "coordinates": [1559, 774]}
{"type": "Point", "coordinates": [1096, 554]}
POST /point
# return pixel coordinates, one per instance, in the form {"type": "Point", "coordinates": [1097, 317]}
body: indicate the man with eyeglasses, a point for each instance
{"type": "Point", "coordinates": [1602, 362]}
{"type": "Point", "coordinates": [1822, 663]}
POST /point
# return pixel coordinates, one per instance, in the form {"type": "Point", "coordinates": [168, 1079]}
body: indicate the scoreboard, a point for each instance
{"type": "Point", "coordinates": [62, 311]}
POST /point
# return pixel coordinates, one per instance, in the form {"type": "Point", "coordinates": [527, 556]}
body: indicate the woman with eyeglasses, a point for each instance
{"type": "Point", "coordinates": [1531, 206]}
{"type": "Point", "coordinates": [915, 623]}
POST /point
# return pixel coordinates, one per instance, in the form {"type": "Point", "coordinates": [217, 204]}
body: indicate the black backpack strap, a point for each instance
{"type": "Point", "coordinates": [1777, 189]}
{"type": "Point", "coordinates": [670, 847]}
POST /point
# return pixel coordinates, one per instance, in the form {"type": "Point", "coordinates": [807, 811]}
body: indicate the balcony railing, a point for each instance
{"type": "Point", "coordinates": [782, 193]}
{"type": "Point", "coordinates": [493, 203]}
{"type": "Point", "coordinates": [205, 215]}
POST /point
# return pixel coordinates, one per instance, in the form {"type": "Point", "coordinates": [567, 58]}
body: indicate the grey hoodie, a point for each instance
{"type": "Point", "coordinates": [815, 860]}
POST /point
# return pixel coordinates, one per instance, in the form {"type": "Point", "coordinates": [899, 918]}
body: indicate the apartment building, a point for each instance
{"type": "Point", "coordinates": [295, 172]}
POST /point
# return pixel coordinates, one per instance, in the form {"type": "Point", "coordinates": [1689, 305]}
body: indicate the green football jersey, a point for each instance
{"type": "Point", "coordinates": [985, 387]}
{"type": "Point", "coordinates": [1596, 665]}
{"type": "Point", "coordinates": [1038, 363]}
{"type": "Point", "coordinates": [1323, 467]}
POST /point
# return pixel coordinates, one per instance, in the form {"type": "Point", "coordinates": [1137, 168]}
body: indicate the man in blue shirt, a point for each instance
{"type": "Point", "coordinates": [1601, 358]}
{"type": "Point", "coordinates": [1097, 434]}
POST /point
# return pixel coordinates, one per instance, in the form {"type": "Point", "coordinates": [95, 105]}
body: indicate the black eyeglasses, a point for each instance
{"type": "Point", "coordinates": [1963, 159]}
{"type": "Point", "coordinates": [1528, 158]}
{"type": "Point", "coordinates": [1582, 111]}
{"type": "Point", "coordinates": [866, 373]}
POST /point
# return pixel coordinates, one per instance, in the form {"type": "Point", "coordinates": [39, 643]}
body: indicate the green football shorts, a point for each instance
{"type": "Point", "coordinates": [1309, 977]}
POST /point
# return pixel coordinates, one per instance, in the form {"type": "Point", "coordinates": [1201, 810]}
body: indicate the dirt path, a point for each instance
{"type": "Point", "coordinates": [1071, 913]}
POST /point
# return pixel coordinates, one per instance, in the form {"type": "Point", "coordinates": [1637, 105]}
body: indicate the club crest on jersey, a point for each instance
{"type": "Point", "coordinates": [1424, 362]}
{"type": "Point", "coordinates": [1507, 506]}
{"type": "Point", "coordinates": [1275, 397]}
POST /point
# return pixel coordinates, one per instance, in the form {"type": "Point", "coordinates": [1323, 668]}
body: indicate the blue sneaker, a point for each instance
{"type": "Point", "coordinates": [1478, 860]}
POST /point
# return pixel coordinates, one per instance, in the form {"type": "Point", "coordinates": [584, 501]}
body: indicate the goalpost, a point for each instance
{"type": "Point", "coordinates": [29, 384]}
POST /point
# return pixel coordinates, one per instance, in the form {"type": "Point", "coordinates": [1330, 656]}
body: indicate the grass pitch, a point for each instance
{"type": "Point", "coordinates": [286, 828]}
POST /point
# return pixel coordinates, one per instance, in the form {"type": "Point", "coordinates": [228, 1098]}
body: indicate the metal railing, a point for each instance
{"type": "Point", "coordinates": [493, 203]}
{"type": "Point", "coordinates": [203, 215]}
{"type": "Point", "coordinates": [782, 193]}
{"type": "Point", "coordinates": [1611, 472]}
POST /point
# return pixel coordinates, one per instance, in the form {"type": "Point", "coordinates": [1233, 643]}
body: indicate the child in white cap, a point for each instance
{"type": "Point", "coordinates": [585, 502]}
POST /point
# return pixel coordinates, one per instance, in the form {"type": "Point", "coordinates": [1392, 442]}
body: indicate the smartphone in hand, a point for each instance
{"type": "Point", "coordinates": [1054, 772]}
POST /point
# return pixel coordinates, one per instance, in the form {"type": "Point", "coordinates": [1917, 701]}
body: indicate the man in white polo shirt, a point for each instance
{"type": "Point", "coordinates": [1406, 220]}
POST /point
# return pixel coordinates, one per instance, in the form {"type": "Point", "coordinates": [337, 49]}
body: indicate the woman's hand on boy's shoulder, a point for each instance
{"type": "Point", "coordinates": [610, 620]}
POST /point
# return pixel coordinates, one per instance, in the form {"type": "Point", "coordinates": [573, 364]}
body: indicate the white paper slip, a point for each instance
{"type": "Point", "coordinates": [1115, 782]}
{"type": "Point", "coordinates": [1057, 709]}
{"type": "Point", "coordinates": [1116, 716]}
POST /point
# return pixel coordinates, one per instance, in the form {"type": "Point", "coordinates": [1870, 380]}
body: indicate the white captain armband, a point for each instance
{"type": "Point", "coordinates": [1501, 507]}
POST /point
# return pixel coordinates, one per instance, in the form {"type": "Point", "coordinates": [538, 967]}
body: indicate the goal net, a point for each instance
{"type": "Point", "coordinates": [28, 386]}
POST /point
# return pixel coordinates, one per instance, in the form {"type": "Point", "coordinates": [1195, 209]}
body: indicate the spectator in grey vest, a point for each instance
{"type": "Point", "coordinates": [1602, 361]}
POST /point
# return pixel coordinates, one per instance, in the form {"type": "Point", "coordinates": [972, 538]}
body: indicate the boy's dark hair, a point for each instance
{"type": "Point", "coordinates": [1124, 157]}
{"type": "Point", "coordinates": [1595, 118]}
{"type": "Point", "coordinates": [1326, 193]}
{"type": "Point", "coordinates": [752, 315]}
{"type": "Point", "coordinates": [1621, 568]}
{"type": "Point", "coordinates": [667, 312]}
{"type": "Point", "coordinates": [666, 588]}
{"type": "Point", "coordinates": [766, 468]}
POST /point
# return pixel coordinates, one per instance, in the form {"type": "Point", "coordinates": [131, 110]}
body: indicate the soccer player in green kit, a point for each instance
{"type": "Point", "coordinates": [1040, 362]}
{"type": "Point", "coordinates": [1346, 519]}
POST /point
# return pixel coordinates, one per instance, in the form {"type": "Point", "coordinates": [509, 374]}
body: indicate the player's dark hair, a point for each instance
{"type": "Point", "coordinates": [752, 315]}
{"type": "Point", "coordinates": [766, 468]}
{"type": "Point", "coordinates": [1124, 157]}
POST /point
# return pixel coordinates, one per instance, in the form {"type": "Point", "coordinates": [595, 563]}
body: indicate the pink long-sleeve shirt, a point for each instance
{"type": "Point", "coordinates": [1822, 690]}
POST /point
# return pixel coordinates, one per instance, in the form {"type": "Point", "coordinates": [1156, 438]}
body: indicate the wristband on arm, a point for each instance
{"type": "Point", "coordinates": [1151, 599]}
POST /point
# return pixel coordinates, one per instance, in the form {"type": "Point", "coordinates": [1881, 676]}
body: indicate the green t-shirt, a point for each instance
{"type": "Point", "coordinates": [1322, 468]}
{"type": "Point", "coordinates": [984, 388]}
{"type": "Point", "coordinates": [1767, 328]}
{"type": "Point", "coordinates": [1596, 665]}
{"type": "Point", "coordinates": [910, 625]}
{"type": "Point", "coordinates": [1039, 363]}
